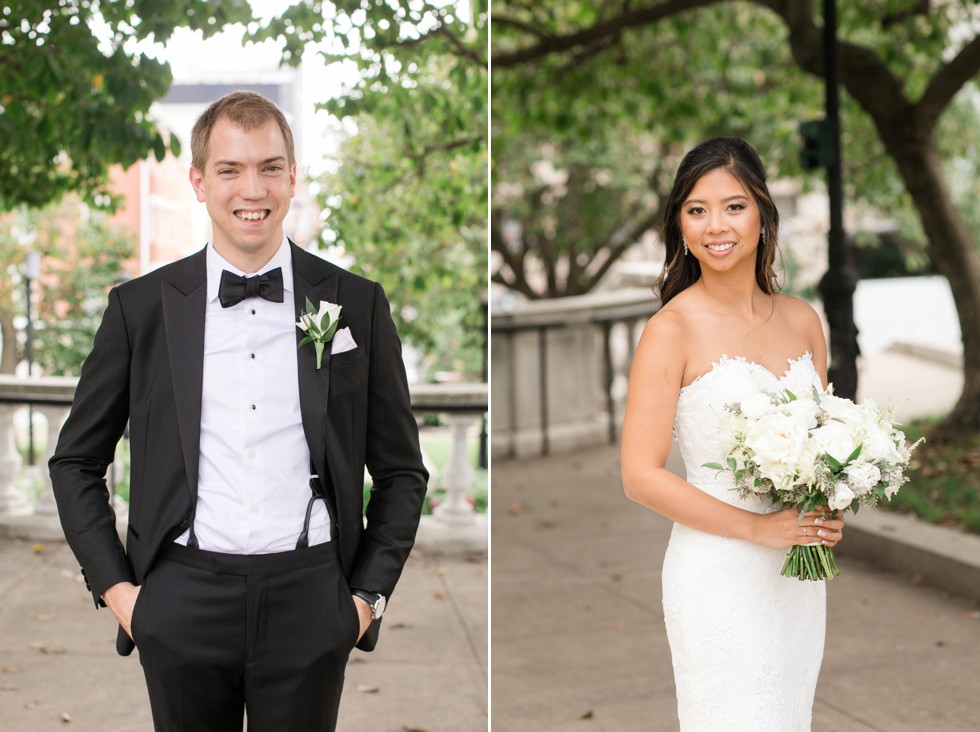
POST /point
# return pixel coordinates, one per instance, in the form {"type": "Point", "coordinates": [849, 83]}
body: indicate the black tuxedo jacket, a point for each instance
{"type": "Point", "coordinates": [146, 368]}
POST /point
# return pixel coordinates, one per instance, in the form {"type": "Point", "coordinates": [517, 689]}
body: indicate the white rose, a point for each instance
{"type": "Point", "coordinates": [862, 477]}
{"type": "Point", "coordinates": [842, 497]}
{"type": "Point", "coordinates": [881, 446]}
{"type": "Point", "coordinates": [781, 474]}
{"type": "Point", "coordinates": [755, 406]}
{"type": "Point", "coordinates": [803, 410]}
{"type": "Point", "coordinates": [328, 308]}
{"type": "Point", "coordinates": [806, 463]}
{"type": "Point", "coordinates": [838, 408]}
{"type": "Point", "coordinates": [891, 489]}
{"type": "Point", "coordinates": [836, 439]}
{"type": "Point", "coordinates": [777, 442]}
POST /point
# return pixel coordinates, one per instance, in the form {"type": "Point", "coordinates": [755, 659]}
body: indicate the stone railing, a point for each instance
{"type": "Point", "coordinates": [453, 525]}
{"type": "Point", "coordinates": [560, 369]}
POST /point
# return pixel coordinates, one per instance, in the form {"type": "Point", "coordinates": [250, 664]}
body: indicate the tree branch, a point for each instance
{"type": "Point", "coordinates": [596, 33]}
{"type": "Point", "coordinates": [462, 50]}
{"type": "Point", "coordinates": [947, 82]}
{"type": "Point", "coordinates": [421, 158]}
{"type": "Point", "coordinates": [521, 26]}
{"type": "Point", "coordinates": [865, 76]}
{"type": "Point", "coordinates": [628, 240]}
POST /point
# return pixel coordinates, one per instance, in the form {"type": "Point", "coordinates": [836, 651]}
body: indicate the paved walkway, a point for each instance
{"type": "Point", "coordinates": [578, 637]}
{"type": "Point", "coordinates": [59, 669]}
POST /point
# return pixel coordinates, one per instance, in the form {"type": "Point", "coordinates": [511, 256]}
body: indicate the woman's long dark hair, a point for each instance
{"type": "Point", "coordinates": [742, 161]}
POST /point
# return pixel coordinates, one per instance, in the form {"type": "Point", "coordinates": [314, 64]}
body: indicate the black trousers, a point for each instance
{"type": "Point", "coordinates": [220, 635]}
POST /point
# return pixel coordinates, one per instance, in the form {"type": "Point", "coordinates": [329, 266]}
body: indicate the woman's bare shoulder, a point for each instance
{"type": "Point", "coordinates": [803, 319]}
{"type": "Point", "coordinates": [798, 311]}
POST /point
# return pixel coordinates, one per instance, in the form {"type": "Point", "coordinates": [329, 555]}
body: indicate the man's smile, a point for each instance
{"type": "Point", "coordinates": [252, 215]}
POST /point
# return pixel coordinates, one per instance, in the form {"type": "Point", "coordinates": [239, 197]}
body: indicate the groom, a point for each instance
{"type": "Point", "coordinates": [251, 568]}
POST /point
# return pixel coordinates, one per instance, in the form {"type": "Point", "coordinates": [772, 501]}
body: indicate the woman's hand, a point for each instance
{"type": "Point", "coordinates": [785, 528]}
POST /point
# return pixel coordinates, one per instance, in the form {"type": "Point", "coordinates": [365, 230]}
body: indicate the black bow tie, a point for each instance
{"type": "Point", "coordinates": [235, 288]}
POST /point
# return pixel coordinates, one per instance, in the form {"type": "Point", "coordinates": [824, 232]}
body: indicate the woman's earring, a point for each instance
{"type": "Point", "coordinates": [763, 237]}
{"type": "Point", "coordinates": [684, 242]}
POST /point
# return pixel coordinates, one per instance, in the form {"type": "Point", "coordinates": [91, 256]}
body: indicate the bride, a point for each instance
{"type": "Point", "coordinates": [746, 643]}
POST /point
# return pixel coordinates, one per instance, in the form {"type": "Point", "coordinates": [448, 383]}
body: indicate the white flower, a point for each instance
{"type": "Point", "coordinates": [842, 497]}
{"type": "Point", "coordinates": [777, 440]}
{"type": "Point", "coordinates": [844, 410]}
{"type": "Point", "coordinates": [319, 326]}
{"type": "Point", "coordinates": [836, 439]}
{"type": "Point", "coordinates": [756, 405]}
{"type": "Point", "coordinates": [329, 308]}
{"type": "Point", "coordinates": [862, 477]}
{"type": "Point", "coordinates": [804, 410]}
{"type": "Point", "coordinates": [806, 470]}
{"type": "Point", "coordinates": [881, 445]}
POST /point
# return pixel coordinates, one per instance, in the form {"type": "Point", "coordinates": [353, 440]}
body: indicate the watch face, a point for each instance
{"type": "Point", "coordinates": [379, 607]}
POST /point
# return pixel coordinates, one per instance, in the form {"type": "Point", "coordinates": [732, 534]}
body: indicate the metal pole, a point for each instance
{"type": "Point", "coordinates": [485, 304]}
{"type": "Point", "coordinates": [32, 271]}
{"type": "Point", "coordinates": [840, 281]}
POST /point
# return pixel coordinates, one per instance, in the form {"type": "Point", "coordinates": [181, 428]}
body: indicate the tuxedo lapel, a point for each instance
{"type": "Point", "coordinates": [310, 280]}
{"type": "Point", "coordinates": [184, 303]}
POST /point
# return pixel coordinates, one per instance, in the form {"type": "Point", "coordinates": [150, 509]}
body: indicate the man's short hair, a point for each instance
{"type": "Point", "coordinates": [244, 109]}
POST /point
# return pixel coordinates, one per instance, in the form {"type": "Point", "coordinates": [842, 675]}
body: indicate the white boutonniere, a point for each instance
{"type": "Point", "coordinates": [319, 326]}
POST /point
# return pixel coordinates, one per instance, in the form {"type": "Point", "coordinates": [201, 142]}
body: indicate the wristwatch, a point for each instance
{"type": "Point", "coordinates": [375, 600]}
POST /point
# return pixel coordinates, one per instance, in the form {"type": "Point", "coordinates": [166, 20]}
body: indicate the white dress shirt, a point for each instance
{"type": "Point", "coordinates": [253, 485]}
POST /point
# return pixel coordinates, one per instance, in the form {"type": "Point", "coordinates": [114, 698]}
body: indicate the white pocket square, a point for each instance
{"type": "Point", "coordinates": [343, 341]}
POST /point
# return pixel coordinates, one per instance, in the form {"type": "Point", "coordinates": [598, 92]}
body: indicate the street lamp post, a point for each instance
{"type": "Point", "coordinates": [32, 270]}
{"type": "Point", "coordinates": [822, 149]}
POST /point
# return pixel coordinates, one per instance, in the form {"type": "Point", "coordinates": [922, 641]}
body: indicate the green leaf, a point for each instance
{"type": "Point", "coordinates": [732, 463]}
{"type": "Point", "coordinates": [835, 466]}
{"type": "Point", "coordinates": [307, 339]}
{"type": "Point", "coordinates": [854, 455]}
{"type": "Point", "coordinates": [713, 466]}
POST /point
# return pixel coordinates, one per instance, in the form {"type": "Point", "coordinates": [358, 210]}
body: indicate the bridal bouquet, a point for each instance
{"type": "Point", "coordinates": [814, 450]}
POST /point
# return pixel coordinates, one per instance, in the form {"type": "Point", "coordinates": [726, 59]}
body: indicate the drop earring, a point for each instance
{"type": "Point", "coordinates": [684, 242]}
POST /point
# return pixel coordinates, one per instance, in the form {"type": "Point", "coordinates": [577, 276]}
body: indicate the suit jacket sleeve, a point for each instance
{"type": "Point", "coordinates": [86, 447]}
{"type": "Point", "coordinates": [394, 460]}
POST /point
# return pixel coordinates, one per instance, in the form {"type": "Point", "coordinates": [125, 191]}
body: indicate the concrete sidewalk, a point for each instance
{"type": "Point", "coordinates": [578, 635]}
{"type": "Point", "coordinates": [59, 669]}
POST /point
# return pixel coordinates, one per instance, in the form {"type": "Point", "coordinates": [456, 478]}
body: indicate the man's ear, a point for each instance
{"type": "Point", "coordinates": [197, 183]}
{"type": "Point", "coordinates": [292, 180]}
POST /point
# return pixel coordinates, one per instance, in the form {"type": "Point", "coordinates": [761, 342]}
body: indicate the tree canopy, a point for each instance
{"type": "Point", "coordinates": [688, 70]}
{"type": "Point", "coordinates": [75, 89]}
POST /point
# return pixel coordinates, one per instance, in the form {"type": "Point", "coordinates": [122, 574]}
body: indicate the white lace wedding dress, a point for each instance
{"type": "Point", "coordinates": [746, 642]}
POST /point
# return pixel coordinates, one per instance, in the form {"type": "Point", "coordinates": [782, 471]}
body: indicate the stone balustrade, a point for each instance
{"type": "Point", "coordinates": [453, 525]}
{"type": "Point", "coordinates": [560, 369]}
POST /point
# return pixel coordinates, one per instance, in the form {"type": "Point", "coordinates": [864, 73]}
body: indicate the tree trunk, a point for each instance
{"type": "Point", "coordinates": [957, 258]}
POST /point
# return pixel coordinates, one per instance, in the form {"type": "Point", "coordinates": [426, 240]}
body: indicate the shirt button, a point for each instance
{"type": "Point", "coordinates": [253, 311]}
{"type": "Point", "coordinates": [253, 407]}
{"type": "Point", "coordinates": [252, 355]}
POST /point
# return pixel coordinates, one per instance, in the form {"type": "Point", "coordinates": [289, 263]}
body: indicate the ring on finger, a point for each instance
{"type": "Point", "coordinates": [804, 531]}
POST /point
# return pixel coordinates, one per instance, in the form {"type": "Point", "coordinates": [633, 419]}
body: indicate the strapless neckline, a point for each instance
{"type": "Point", "coordinates": [726, 360]}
